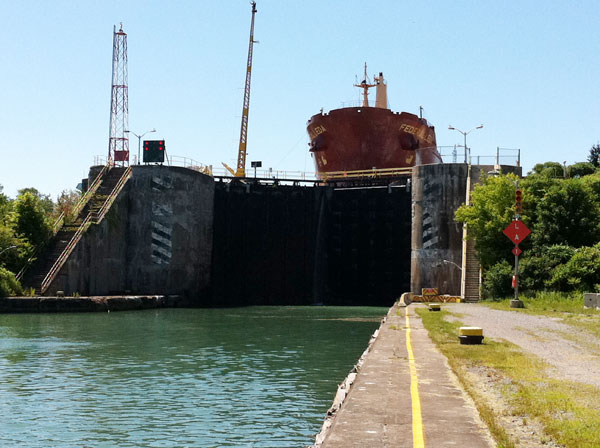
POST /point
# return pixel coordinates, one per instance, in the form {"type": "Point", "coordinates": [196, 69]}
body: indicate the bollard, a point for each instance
{"type": "Point", "coordinates": [470, 335]}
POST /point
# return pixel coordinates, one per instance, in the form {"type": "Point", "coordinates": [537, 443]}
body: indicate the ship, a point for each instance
{"type": "Point", "coordinates": [356, 139]}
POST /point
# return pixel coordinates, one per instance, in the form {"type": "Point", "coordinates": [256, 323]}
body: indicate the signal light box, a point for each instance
{"type": "Point", "coordinates": [154, 151]}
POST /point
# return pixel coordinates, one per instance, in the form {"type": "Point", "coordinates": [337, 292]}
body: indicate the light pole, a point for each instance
{"type": "Point", "coordinates": [452, 128]}
{"type": "Point", "coordinates": [452, 263]}
{"type": "Point", "coordinates": [140, 140]}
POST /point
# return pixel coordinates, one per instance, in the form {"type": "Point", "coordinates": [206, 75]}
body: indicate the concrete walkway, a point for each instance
{"type": "Point", "coordinates": [379, 409]}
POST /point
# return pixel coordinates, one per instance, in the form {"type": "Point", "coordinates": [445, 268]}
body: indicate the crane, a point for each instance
{"type": "Point", "coordinates": [241, 163]}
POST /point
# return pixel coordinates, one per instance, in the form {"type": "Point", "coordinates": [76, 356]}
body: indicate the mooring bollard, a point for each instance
{"type": "Point", "coordinates": [470, 335]}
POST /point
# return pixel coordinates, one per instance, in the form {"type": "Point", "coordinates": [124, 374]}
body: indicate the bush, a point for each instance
{"type": "Point", "coordinates": [580, 273]}
{"type": "Point", "coordinates": [581, 169]}
{"type": "Point", "coordinates": [537, 268]}
{"type": "Point", "coordinates": [497, 282]}
{"type": "Point", "coordinates": [9, 286]}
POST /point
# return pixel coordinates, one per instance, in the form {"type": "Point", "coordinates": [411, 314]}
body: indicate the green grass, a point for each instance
{"type": "Point", "coordinates": [569, 412]}
{"type": "Point", "coordinates": [568, 307]}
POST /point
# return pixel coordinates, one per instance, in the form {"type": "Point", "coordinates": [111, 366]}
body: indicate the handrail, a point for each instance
{"type": "Point", "coordinates": [113, 195]}
{"type": "Point", "coordinates": [89, 220]}
{"type": "Point", "coordinates": [83, 200]}
{"type": "Point", "coordinates": [90, 191]}
{"type": "Point", "coordinates": [384, 172]}
{"type": "Point", "coordinates": [58, 264]}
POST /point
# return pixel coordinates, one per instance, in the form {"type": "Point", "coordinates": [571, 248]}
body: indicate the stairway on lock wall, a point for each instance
{"type": "Point", "coordinates": [35, 276]}
{"type": "Point", "coordinates": [472, 274]}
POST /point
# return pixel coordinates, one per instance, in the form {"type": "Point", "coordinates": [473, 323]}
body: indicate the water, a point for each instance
{"type": "Point", "coordinates": [259, 376]}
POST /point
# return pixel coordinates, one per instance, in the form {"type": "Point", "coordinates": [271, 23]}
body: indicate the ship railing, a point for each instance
{"type": "Point", "coordinates": [365, 174]}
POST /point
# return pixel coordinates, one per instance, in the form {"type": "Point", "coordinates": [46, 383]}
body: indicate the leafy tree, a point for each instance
{"type": "Point", "coordinates": [66, 202]}
{"type": "Point", "coordinates": [594, 157]}
{"type": "Point", "coordinates": [45, 199]}
{"type": "Point", "coordinates": [567, 214]}
{"type": "Point", "coordinates": [550, 169]}
{"type": "Point", "coordinates": [581, 169]}
{"type": "Point", "coordinates": [4, 205]}
{"type": "Point", "coordinates": [29, 219]}
{"type": "Point", "coordinates": [492, 210]}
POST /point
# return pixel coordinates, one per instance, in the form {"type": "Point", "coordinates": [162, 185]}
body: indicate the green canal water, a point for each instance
{"type": "Point", "coordinates": [258, 376]}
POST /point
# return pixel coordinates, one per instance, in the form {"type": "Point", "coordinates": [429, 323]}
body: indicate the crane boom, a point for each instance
{"type": "Point", "coordinates": [241, 163]}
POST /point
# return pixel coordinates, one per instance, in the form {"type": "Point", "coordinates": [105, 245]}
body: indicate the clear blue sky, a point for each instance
{"type": "Point", "coordinates": [528, 70]}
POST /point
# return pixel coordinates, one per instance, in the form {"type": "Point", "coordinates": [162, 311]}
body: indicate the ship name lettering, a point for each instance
{"type": "Point", "coordinates": [317, 130]}
{"type": "Point", "coordinates": [408, 128]}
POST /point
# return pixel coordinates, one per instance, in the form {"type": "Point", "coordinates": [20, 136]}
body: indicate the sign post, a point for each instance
{"type": "Point", "coordinates": [517, 231]}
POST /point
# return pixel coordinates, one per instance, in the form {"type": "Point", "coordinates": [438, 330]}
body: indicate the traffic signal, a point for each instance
{"type": "Point", "coordinates": [154, 151]}
{"type": "Point", "coordinates": [518, 202]}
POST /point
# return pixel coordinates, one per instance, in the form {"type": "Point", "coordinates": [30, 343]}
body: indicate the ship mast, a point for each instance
{"type": "Point", "coordinates": [365, 86]}
{"type": "Point", "coordinates": [241, 163]}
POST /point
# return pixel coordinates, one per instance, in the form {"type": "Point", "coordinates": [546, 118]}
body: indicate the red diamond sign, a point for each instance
{"type": "Point", "coordinates": [517, 231]}
{"type": "Point", "coordinates": [516, 251]}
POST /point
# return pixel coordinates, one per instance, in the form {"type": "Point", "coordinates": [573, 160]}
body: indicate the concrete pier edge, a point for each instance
{"type": "Point", "coordinates": [344, 386]}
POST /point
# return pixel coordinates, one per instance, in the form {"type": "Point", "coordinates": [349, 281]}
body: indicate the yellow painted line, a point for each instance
{"type": "Point", "coordinates": [417, 421]}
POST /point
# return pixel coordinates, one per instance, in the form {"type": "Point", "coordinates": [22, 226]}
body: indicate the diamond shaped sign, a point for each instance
{"type": "Point", "coordinates": [517, 231]}
{"type": "Point", "coordinates": [516, 251]}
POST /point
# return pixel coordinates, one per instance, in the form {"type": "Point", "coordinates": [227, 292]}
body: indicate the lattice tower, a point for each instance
{"type": "Point", "coordinates": [118, 142]}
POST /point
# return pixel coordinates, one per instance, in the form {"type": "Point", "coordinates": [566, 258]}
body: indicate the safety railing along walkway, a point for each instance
{"type": "Point", "coordinates": [58, 224]}
{"type": "Point", "coordinates": [91, 218]}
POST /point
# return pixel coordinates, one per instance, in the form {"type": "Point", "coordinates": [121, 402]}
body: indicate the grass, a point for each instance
{"type": "Point", "coordinates": [568, 411]}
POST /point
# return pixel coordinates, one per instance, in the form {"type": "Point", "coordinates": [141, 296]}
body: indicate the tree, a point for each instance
{"type": "Point", "coordinates": [66, 202]}
{"type": "Point", "coordinates": [567, 214]}
{"type": "Point", "coordinates": [29, 219]}
{"type": "Point", "coordinates": [492, 210]}
{"type": "Point", "coordinates": [45, 199]}
{"type": "Point", "coordinates": [550, 169]}
{"type": "Point", "coordinates": [594, 157]}
{"type": "Point", "coordinates": [581, 169]}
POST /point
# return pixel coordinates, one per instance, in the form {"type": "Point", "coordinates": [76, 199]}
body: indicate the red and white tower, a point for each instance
{"type": "Point", "coordinates": [118, 141]}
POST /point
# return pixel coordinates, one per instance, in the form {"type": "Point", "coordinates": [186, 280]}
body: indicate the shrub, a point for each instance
{"type": "Point", "coordinates": [497, 282]}
{"type": "Point", "coordinates": [9, 286]}
{"type": "Point", "coordinates": [580, 273]}
{"type": "Point", "coordinates": [581, 169]}
{"type": "Point", "coordinates": [537, 268]}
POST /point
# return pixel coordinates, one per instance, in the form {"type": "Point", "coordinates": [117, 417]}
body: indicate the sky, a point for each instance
{"type": "Point", "coordinates": [527, 70]}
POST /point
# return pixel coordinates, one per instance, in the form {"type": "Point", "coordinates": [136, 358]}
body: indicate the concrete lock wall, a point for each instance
{"type": "Point", "coordinates": [437, 191]}
{"type": "Point", "coordinates": [156, 238]}
{"type": "Point", "coordinates": [436, 248]}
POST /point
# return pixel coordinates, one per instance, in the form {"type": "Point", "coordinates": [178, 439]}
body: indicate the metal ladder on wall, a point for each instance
{"type": "Point", "coordinates": [91, 218]}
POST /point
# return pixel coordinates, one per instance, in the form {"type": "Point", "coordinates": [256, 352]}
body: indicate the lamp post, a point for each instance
{"type": "Point", "coordinates": [452, 263]}
{"type": "Point", "coordinates": [140, 140]}
{"type": "Point", "coordinates": [452, 128]}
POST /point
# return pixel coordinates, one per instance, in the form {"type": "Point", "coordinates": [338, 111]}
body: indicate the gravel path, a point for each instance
{"type": "Point", "coordinates": [575, 357]}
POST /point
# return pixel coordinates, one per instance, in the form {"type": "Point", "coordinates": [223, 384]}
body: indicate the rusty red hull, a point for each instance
{"type": "Point", "coordinates": [363, 138]}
